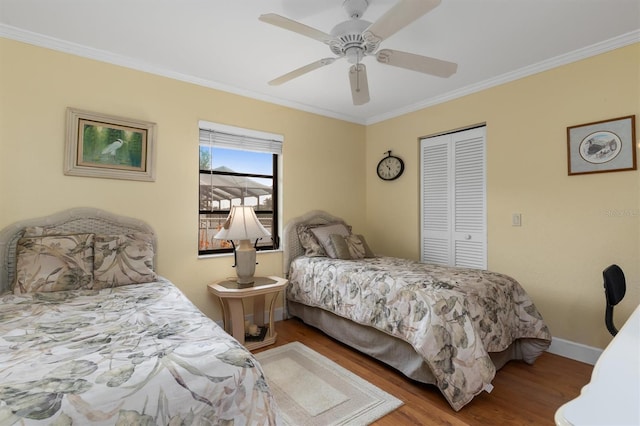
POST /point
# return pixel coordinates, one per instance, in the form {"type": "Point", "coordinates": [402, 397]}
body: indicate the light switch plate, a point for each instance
{"type": "Point", "coordinates": [516, 219]}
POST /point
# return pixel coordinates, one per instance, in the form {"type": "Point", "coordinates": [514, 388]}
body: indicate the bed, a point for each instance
{"type": "Point", "coordinates": [89, 333]}
{"type": "Point", "coordinates": [450, 327]}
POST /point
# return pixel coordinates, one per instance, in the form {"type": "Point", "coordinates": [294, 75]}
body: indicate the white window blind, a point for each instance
{"type": "Point", "coordinates": [237, 138]}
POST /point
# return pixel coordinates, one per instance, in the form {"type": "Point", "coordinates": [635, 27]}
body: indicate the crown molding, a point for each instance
{"type": "Point", "coordinates": [40, 40]}
{"type": "Point", "coordinates": [29, 37]}
{"type": "Point", "coordinates": [577, 55]}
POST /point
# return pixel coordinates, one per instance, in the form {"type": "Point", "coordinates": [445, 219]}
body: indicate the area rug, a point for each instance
{"type": "Point", "coordinates": [310, 389]}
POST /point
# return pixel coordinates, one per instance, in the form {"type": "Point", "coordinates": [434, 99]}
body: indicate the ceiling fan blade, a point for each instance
{"type": "Point", "coordinates": [418, 63]}
{"type": "Point", "coordinates": [302, 70]}
{"type": "Point", "coordinates": [399, 16]}
{"type": "Point", "coordinates": [359, 84]}
{"type": "Point", "coordinates": [296, 27]}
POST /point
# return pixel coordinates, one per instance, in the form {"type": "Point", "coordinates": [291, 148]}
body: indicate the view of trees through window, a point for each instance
{"type": "Point", "coordinates": [230, 177]}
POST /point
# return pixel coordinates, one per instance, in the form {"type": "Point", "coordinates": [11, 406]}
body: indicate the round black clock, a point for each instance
{"type": "Point", "coordinates": [390, 167]}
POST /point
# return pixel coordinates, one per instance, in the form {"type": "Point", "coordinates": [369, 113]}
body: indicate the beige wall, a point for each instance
{"type": "Point", "coordinates": [572, 226]}
{"type": "Point", "coordinates": [36, 87]}
{"type": "Point", "coordinates": [569, 233]}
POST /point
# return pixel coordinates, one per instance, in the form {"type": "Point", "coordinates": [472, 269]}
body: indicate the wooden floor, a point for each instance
{"type": "Point", "coordinates": [523, 394]}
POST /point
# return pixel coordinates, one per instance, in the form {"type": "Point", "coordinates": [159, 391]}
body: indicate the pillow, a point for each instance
{"type": "Point", "coordinates": [323, 233]}
{"type": "Point", "coordinates": [367, 250]}
{"type": "Point", "coordinates": [309, 242]}
{"type": "Point", "coordinates": [350, 247]}
{"type": "Point", "coordinates": [38, 231]}
{"type": "Point", "coordinates": [340, 246]}
{"type": "Point", "coordinates": [122, 260]}
{"type": "Point", "coordinates": [54, 263]}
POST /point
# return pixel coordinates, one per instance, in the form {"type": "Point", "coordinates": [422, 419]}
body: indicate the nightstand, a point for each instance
{"type": "Point", "coordinates": [231, 296]}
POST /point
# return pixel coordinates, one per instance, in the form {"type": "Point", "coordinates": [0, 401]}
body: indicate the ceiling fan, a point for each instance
{"type": "Point", "coordinates": [356, 38]}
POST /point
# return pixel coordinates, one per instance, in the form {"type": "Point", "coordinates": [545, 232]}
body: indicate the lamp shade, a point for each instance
{"type": "Point", "coordinates": [242, 224]}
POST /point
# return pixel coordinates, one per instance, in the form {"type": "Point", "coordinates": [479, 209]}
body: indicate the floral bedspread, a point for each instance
{"type": "Point", "coordinates": [134, 355]}
{"type": "Point", "coordinates": [452, 316]}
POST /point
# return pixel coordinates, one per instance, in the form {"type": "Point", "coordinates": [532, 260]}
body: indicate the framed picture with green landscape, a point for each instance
{"type": "Point", "coordinates": [105, 146]}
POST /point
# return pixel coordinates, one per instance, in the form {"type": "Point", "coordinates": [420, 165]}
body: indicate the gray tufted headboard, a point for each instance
{"type": "Point", "coordinates": [72, 221]}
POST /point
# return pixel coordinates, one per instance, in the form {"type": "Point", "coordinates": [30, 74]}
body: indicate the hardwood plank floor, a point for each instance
{"type": "Point", "coordinates": [523, 394]}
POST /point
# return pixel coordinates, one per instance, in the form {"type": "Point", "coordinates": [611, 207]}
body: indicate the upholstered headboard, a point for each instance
{"type": "Point", "coordinates": [292, 246]}
{"type": "Point", "coordinates": [73, 221]}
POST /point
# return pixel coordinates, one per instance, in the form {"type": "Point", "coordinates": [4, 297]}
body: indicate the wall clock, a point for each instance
{"type": "Point", "coordinates": [390, 167]}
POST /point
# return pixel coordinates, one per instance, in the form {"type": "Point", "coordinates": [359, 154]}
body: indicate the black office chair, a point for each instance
{"type": "Point", "coordinates": [614, 288]}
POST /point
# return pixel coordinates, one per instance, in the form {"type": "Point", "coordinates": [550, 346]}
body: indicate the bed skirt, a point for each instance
{"type": "Point", "coordinates": [393, 351]}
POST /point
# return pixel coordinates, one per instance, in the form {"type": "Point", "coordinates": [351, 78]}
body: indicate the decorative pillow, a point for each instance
{"type": "Point", "coordinates": [122, 260]}
{"type": "Point", "coordinates": [35, 231]}
{"type": "Point", "coordinates": [367, 250]}
{"type": "Point", "coordinates": [54, 263]}
{"type": "Point", "coordinates": [39, 231]}
{"type": "Point", "coordinates": [350, 247]}
{"type": "Point", "coordinates": [340, 246]}
{"type": "Point", "coordinates": [323, 233]}
{"type": "Point", "coordinates": [309, 242]}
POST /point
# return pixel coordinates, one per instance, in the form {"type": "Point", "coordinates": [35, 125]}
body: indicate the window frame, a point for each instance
{"type": "Point", "coordinates": [276, 166]}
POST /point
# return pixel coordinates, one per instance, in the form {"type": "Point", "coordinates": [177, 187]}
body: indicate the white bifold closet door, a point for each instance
{"type": "Point", "coordinates": [453, 206]}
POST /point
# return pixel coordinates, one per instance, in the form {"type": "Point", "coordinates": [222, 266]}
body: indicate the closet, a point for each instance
{"type": "Point", "coordinates": [453, 198]}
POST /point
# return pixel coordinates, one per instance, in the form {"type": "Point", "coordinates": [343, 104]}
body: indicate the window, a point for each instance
{"type": "Point", "coordinates": [237, 167]}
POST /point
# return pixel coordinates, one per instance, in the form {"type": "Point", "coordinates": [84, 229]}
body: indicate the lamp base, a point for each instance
{"type": "Point", "coordinates": [245, 263]}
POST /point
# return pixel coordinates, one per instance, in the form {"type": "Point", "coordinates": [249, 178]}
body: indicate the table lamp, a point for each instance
{"type": "Point", "coordinates": [243, 225]}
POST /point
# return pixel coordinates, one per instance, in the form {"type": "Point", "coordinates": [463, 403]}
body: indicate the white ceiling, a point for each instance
{"type": "Point", "coordinates": [221, 44]}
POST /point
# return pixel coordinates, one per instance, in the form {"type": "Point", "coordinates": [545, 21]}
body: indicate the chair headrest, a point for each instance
{"type": "Point", "coordinates": [615, 284]}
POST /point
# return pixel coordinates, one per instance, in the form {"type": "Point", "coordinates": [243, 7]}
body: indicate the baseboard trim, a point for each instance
{"type": "Point", "coordinates": [575, 351]}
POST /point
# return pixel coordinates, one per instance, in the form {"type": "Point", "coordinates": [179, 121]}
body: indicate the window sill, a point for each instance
{"type": "Point", "coordinates": [213, 256]}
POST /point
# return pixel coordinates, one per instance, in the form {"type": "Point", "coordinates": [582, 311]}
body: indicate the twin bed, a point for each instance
{"type": "Point", "coordinates": [89, 333]}
{"type": "Point", "coordinates": [452, 327]}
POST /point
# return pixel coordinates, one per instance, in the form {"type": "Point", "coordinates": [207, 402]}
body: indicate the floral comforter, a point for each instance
{"type": "Point", "coordinates": [452, 316]}
{"type": "Point", "coordinates": [134, 355]}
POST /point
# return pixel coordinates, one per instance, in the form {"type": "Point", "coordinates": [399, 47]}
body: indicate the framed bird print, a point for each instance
{"type": "Point", "coordinates": [602, 146]}
{"type": "Point", "coordinates": [106, 146]}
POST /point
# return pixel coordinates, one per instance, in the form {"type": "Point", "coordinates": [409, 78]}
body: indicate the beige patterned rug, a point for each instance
{"type": "Point", "coordinates": [310, 389]}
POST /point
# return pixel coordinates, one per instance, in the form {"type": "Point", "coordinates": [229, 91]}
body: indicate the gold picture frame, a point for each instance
{"type": "Point", "coordinates": [602, 146]}
{"type": "Point", "coordinates": [106, 146]}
